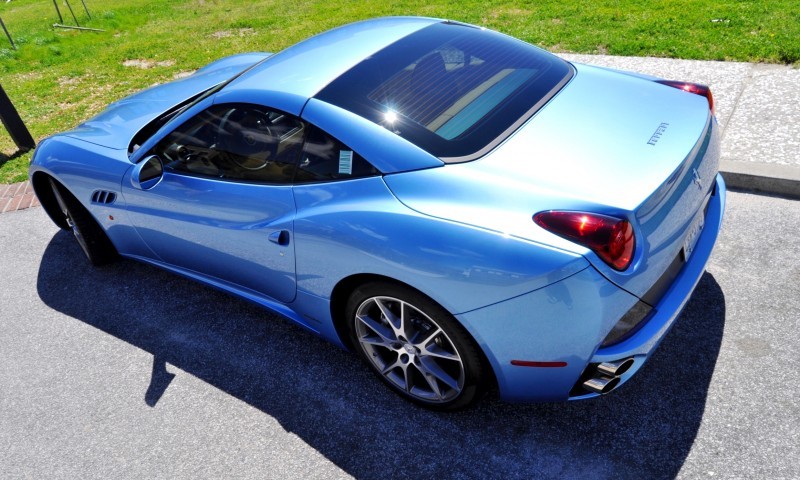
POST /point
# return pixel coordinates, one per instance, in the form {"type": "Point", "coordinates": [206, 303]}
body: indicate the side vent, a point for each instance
{"type": "Point", "coordinates": [103, 197]}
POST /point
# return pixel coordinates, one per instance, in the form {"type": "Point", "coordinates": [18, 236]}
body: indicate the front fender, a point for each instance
{"type": "Point", "coordinates": [84, 168]}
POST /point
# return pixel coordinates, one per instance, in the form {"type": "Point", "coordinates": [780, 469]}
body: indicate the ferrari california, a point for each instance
{"type": "Point", "coordinates": [465, 211]}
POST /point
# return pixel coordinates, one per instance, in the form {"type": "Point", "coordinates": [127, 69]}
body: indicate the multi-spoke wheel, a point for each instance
{"type": "Point", "coordinates": [415, 346]}
{"type": "Point", "coordinates": [91, 238]}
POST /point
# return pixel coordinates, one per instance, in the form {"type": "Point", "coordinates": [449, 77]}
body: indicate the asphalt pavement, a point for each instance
{"type": "Point", "coordinates": [128, 371]}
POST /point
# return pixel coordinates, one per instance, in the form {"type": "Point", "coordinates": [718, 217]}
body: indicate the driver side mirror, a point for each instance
{"type": "Point", "coordinates": [147, 173]}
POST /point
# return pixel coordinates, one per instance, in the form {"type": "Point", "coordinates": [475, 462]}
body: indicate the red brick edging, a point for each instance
{"type": "Point", "coordinates": [17, 196]}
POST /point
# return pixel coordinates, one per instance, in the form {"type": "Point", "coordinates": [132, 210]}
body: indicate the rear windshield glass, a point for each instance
{"type": "Point", "coordinates": [453, 90]}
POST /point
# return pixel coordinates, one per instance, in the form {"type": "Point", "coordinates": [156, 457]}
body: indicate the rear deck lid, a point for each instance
{"type": "Point", "coordinates": [608, 137]}
{"type": "Point", "coordinates": [608, 143]}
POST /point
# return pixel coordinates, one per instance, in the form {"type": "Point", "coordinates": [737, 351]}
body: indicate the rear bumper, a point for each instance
{"type": "Point", "coordinates": [563, 324]}
{"type": "Point", "coordinates": [641, 344]}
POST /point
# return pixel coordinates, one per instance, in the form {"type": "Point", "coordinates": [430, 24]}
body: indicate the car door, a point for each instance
{"type": "Point", "coordinates": [221, 204]}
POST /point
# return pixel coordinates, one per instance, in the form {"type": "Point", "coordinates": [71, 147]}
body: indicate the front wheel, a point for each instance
{"type": "Point", "coordinates": [416, 346]}
{"type": "Point", "coordinates": [91, 238]}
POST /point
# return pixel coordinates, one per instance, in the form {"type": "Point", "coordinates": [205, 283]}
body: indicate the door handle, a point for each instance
{"type": "Point", "coordinates": [281, 237]}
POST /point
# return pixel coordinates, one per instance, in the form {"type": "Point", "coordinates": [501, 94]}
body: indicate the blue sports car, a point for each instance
{"type": "Point", "coordinates": [462, 209]}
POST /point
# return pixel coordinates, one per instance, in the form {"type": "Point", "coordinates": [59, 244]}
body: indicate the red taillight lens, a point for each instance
{"type": "Point", "coordinates": [610, 238]}
{"type": "Point", "coordinates": [696, 88]}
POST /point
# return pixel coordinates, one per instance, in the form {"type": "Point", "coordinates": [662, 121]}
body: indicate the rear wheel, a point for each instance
{"type": "Point", "coordinates": [416, 346]}
{"type": "Point", "coordinates": [92, 239]}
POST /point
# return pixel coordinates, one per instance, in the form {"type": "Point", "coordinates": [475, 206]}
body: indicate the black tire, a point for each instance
{"type": "Point", "coordinates": [90, 236]}
{"type": "Point", "coordinates": [423, 353]}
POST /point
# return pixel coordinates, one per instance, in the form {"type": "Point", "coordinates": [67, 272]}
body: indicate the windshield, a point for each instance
{"type": "Point", "coordinates": [148, 130]}
{"type": "Point", "coordinates": [451, 89]}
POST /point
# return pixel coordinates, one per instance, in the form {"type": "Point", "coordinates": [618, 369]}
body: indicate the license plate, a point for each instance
{"type": "Point", "coordinates": [690, 242]}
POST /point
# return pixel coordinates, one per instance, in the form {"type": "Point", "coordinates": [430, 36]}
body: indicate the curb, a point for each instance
{"type": "Point", "coordinates": [767, 178]}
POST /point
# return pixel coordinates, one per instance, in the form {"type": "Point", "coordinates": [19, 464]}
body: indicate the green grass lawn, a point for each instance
{"type": "Point", "coordinates": [58, 78]}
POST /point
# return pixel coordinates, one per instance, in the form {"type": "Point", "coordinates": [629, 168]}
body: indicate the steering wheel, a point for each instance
{"type": "Point", "coordinates": [245, 138]}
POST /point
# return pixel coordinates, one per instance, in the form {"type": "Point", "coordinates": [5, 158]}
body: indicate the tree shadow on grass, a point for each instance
{"type": "Point", "coordinates": [325, 396]}
{"type": "Point", "coordinates": [7, 158]}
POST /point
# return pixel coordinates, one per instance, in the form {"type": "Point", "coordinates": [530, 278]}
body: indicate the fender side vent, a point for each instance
{"type": "Point", "coordinates": [103, 197]}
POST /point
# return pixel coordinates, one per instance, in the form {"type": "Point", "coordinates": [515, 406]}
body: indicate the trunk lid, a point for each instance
{"type": "Point", "coordinates": [611, 138]}
{"type": "Point", "coordinates": [608, 143]}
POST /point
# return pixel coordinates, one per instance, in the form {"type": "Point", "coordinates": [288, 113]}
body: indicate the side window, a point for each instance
{"type": "Point", "coordinates": [236, 142]}
{"type": "Point", "coordinates": [324, 158]}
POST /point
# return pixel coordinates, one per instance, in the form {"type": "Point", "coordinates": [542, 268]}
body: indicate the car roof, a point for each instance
{"type": "Point", "coordinates": [304, 69]}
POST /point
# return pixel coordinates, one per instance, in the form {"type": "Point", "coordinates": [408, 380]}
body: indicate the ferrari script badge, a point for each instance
{"type": "Point", "coordinates": [657, 135]}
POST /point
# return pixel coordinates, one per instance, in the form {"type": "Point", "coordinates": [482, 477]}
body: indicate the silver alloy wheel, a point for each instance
{"type": "Point", "coordinates": [409, 349]}
{"type": "Point", "coordinates": [76, 231]}
{"type": "Point", "coordinates": [90, 236]}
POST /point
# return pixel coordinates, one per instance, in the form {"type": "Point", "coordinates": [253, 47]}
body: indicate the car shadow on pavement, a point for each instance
{"type": "Point", "coordinates": [331, 401]}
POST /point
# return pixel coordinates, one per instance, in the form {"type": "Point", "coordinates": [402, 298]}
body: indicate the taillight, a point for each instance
{"type": "Point", "coordinates": [696, 88]}
{"type": "Point", "coordinates": [610, 238]}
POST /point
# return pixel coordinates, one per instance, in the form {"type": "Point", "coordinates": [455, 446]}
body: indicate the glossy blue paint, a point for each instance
{"type": "Point", "coordinates": [567, 321]}
{"type": "Point", "coordinates": [591, 139]}
{"type": "Point", "coordinates": [671, 305]}
{"type": "Point", "coordinates": [588, 152]}
{"type": "Point", "coordinates": [564, 321]}
{"type": "Point", "coordinates": [644, 342]}
{"type": "Point", "coordinates": [218, 228]}
{"type": "Point", "coordinates": [462, 234]}
{"type": "Point", "coordinates": [359, 227]}
{"type": "Point", "coordinates": [305, 68]}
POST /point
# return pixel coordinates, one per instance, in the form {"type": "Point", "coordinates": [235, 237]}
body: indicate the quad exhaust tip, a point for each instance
{"type": "Point", "coordinates": [608, 376]}
{"type": "Point", "coordinates": [601, 385]}
{"type": "Point", "coordinates": [615, 369]}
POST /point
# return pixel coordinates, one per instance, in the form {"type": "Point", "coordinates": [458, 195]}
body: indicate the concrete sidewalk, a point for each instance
{"type": "Point", "coordinates": [758, 107]}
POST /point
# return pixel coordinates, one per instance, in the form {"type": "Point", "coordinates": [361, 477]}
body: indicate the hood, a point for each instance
{"type": "Point", "coordinates": [115, 126]}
